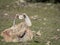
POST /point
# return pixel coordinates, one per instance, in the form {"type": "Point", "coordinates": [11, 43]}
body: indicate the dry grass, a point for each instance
{"type": "Point", "coordinates": [47, 21]}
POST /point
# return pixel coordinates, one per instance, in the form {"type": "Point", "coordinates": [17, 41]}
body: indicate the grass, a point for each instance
{"type": "Point", "coordinates": [47, 27]}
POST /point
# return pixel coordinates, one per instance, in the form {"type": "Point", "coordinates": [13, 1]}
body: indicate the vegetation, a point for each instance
{"type": "Point", "coordinates": [47, 20]}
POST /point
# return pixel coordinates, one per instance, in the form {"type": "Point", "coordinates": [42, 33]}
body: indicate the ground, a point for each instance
{"type": "Point", "coordinates": [44, 16]}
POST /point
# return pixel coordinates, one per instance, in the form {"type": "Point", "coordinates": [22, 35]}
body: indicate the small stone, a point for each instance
{"type": "Point", "coordinates": [22, 1]}
{"type": "Point", "coordinates": [34, 17]}
{"type": "Point", "coordinates": [58, 29]}
{"type": "Point", "coordinates": [6, 14]}
{"type": "Point", "coordinates": [48, 43]}
{"type": "Point", "coordinates": [38, 33]}
{"type": "Point", "coordinates": [45, 19]}
{"type": "Point", "coordinates": [44, 23]}
{"type": "Point", "coordinates": [7, 6]}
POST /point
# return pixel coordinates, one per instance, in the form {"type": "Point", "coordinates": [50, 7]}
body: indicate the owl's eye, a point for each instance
{"type": "Point", "coordinates": [24, 16]}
